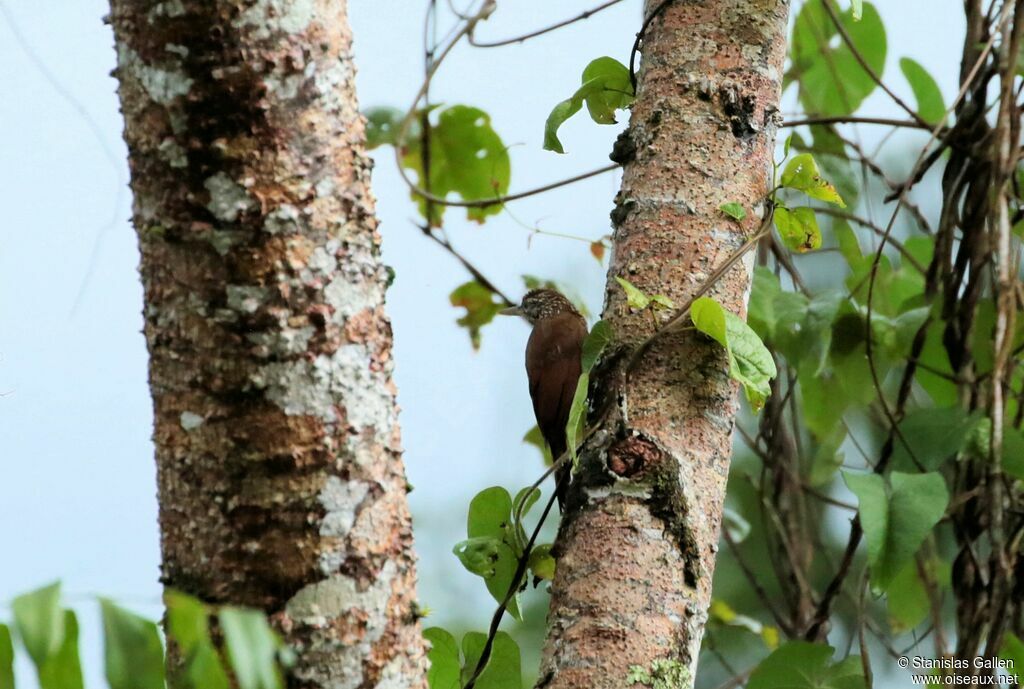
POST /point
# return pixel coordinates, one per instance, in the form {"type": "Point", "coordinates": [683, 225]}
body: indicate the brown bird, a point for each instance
{"type": "Point", "coordinates": [552, 367]}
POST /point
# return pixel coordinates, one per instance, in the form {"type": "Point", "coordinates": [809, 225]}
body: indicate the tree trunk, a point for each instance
{"type": "Point", "coordinates": [636, 551]}
{"type": "Point", "coordinates": [281, 483]}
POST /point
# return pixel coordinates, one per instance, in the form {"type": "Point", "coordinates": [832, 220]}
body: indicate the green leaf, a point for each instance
{"type": "Point", "coordinates": [1012, 650]}
{"type": "Point", "coordinates": [535, 438]}
{"type": "Point", "coordinates": [1013, 453]}
{"type": "Point", "coordinates": [827, 458]}
{"type": "Point", "coordinates": [527, 497]}
{"type": "Point", "coordinates": [616, 92]}
{"type": "Point", "coordinates": [803, 665]}
{"type": "Point", "coordinates": [541, 563]}
{"type": "Point", "coordinates": [479, 555]}
{"type": "Point", "coordinates": [188, 626]}
{"type": "Point", "coordinates": [490, 516]}
{"type": "Point", "coordinates": [577, 412]}
{"type": "Point", "coordinates": [503, 669]}
{"type": "Point", "coordinates": [605, 88]}
{"type": "Point", "coordinates": [133, 654]}
{"type": "Point", "coordinates": [934, 435]}
{"type": "Point", "coordinates": [896, 518]}
{"type": "Point", "coordinates": [709, 317]}
{"type": "Point", "coordinates": [798, 228]}
{"type": "Point", "coordinates": [467, 158]}
{"type": "Point", "coordinates": [635, 297]}
{"type": "Point", "coordinates": [382, 126]}
{"type": "Point", "coordinates": [733, 210]}
{"type": "Point", "coordinates": [660, 301]}
{"type": "Point", "coordinates": [444, 659]}
{"type": "Point", "coordinates": [831, 80]}
{"type": "Point", "coordinates": [490, 513]}
{"type": "Point", "coordinates": [481, 306]}
{"type": "Point", "coordinates": [823, 401]}
{"type": "Point", "coordinates": [499, 584]}
{"type": "Point", "coordinates": [597, 339]}
{"type": "Point", "coordinates": [930, 106]}
{"type": "Point", "coordinates": [187, 620]}
{"type": "Point", "coordinates": [63, 669]}
{"type": "Point", "coordinates": [252, 648]}
{"type": "Point", "coordinates": [907, 600]}
{"type": "Point", "coordinates": [801, 173]}
{"type": "Point", "coordinates": [750, 362]}
{"type": "Point", "coordinates": [849, 245]}
{"type": "Point", "coordinates": [6, 658]}
{"type": "Point", "coordinates": [204, 669]}
{"type": "Point", "coordinates": [39, 621]}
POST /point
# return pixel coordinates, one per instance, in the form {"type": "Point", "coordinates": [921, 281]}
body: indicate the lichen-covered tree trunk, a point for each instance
{"type": "Point", "coordinates": [281, 484]}
{"type": "Point", "coordinates": [636, 551]}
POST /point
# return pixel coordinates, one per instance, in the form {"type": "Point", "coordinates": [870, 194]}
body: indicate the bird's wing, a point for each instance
{"type": "Point", "coordinates": [553, 368]}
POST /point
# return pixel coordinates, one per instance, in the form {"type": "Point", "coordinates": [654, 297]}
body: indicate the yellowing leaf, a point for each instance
{"type": "Point", "coordinates": [798, 228]}
{"type": "Point", "coordinates": [801, 173]}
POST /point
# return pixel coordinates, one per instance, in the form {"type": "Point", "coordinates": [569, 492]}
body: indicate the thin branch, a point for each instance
{"type": "Point", "coordinates": [762, 594]}
{"type": "Point", "coordinates": [854, 119]}
{"type": "Point", "coordinates": [868, 69]}
{"type": "Point", "coordinates": [639, 39]}
{"type": "Point", "coordinates": [684, 312]}
{"type": "Point", "coordinates": [540, 32]}
{"type": "Point", "coordinates": [473, 270]}
{"type": "Point", "coordinates": [874, 167]}
{"type": "Point", "coordinates": [864, 222]}
{"type": "Point", "coordinates": [486, 8]}
{"type": "Point", "coordinates": [856, 531]}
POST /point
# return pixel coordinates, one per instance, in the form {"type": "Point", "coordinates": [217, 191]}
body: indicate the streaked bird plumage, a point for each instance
{"type": "Point", "coordinates": [552, 367]}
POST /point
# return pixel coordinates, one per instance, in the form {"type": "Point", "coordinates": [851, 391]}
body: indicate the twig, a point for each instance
{"type": "Point", "coordinates": [640, 37]}
{"type": "Point", "coordinates": [854, 119]}
{"type": "Point", "coordinates": [762, 595]}
{"type": "Point", "coordinates": [486, 8]}
{"type": "Point", "coordinates": [868, 69]}
{"type": "Point", "coordinates": [864, 222]}
{"type": "Point", "coordinates": [682, 313]}
{"type": "Point", "coordinates": [540, 32]}
{"type": "Point", "coordinates": [856, 531]}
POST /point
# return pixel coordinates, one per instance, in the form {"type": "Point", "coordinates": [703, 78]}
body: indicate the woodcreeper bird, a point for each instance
{"type": "Point", "coordinates": [552, 367]}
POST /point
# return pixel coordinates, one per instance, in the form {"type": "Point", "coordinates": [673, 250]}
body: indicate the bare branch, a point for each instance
{"type": "Point", "coordinates": [540, 32]}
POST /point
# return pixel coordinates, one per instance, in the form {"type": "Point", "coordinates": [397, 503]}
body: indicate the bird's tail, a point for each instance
{"type": "Point", "coordinates": [562, 475]}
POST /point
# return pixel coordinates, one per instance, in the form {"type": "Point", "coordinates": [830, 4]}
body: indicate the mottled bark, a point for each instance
{"type": "Point", "coordinates": [636, 551]}
{"type": "Point", "coordinates": [281, 483]}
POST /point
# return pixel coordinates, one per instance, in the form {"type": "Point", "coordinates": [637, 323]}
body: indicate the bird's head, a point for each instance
{"type": "Point", "coordinates": [542, 303]}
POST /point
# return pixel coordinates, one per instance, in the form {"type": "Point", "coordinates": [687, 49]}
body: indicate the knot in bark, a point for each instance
{"type": "Point", "coordinates": [632, 456]}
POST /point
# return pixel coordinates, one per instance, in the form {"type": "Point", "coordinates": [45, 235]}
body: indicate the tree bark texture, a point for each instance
{"type": "Point", "coordinates": [281, 484]}
{"type": "Point", "coordinates": [636, 550]}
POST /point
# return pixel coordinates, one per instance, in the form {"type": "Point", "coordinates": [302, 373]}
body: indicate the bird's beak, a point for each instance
{"type": "Point", "coordinates": [512, 311]}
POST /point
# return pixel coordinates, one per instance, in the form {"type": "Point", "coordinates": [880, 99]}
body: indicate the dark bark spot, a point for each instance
{"type": "Point", "coordinates": [739, 108]}
{"type": "Point", "coordinates": [632, 456]}
{"type": "Point", "coordinates": [623, 207]}
{"type": "Point", "coordinates": [668, 503]}
{"type": "Point", "coordinates": [624, 150]}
